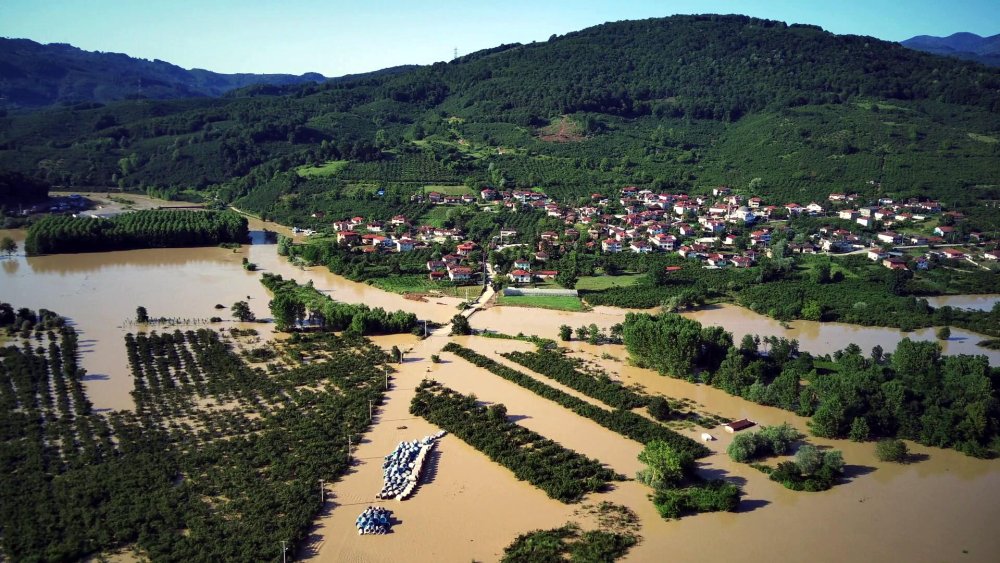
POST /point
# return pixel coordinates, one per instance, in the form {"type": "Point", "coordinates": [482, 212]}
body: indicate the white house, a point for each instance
{"type": "Point", "coordinates": [520, 276]}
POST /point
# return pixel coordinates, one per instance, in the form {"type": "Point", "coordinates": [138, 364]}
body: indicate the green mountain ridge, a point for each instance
{"type": "Point", "coordinates": [679, 104]}
{"type": "Point", "coordinates": [33, 75]}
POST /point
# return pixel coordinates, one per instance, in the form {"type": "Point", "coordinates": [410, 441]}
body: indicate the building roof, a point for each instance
{"type": "Point", "coordinates": [741, 424]}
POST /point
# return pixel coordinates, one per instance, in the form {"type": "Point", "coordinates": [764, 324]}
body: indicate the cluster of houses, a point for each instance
{"type": "Point", "coordinates": [723, 229]}
{"type": "Point", "coordinates": [453, 266]}
{"type": "Point", "coordinates": [694, 225]}
{"type": "Point", "coordinates": [395, 235]}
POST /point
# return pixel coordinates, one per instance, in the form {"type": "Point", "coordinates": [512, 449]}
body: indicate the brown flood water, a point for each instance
{"type": "Point", "coordinates": [471, 508]}
{"type": "Point", "coordinates": [818, 338]}
{"type": "Point", "coordinates": [823, 338]}
{"type": "Point", "coordinates": [983, 302]}
{"type": "Point", "coordinates": [100, 291]}
{"type": "Point", "coordinates": [930, 510]}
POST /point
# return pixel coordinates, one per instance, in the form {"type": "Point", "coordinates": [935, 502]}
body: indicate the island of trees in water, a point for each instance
{"type": "Point", "coordinates": [219, 461]}
{"type": "Point", "coordinates": [914, 393]}
{"type": "Point", "coordinates": [303, 307]}
{"type": "Point", "coordinates": [142, 229]}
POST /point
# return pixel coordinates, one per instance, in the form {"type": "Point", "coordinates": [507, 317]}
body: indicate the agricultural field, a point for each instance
{"type": "Point", "coordinates": [420, 284]}
{"type": "Point", "coordinates": [326, 169]}
{"type": "Point", "coordinates": [557, 302]}
{"type": "Point", "coordinates": [598, 283]}
{"type": "Point", "coordinates": [435, 217]}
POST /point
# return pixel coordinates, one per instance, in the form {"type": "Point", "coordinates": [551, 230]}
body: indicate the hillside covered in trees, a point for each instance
{"type": "Point", "coordinates": [682, 103]}
{"type": "Point", "coordinates": [37, 75]}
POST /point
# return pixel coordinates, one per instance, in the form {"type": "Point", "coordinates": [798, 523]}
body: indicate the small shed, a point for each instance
{"type": "Point", "coordinates": [737, 425]}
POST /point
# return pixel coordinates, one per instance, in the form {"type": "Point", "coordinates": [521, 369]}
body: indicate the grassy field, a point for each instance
{"type": "Point", "coordinates": [435, 217]}
{"type": "Point", "coordinates": [356, 188]}
{"type": "Point", "coordinates": [809, 263]}
{"type": "Point", "coordinates": [326, 169]}
{"type": "Point", "coordinates": [420, 284]}
{"type": "Point", "coordinates": [597, 283]}
{"type": "Point", "coordinates": [557, 302]}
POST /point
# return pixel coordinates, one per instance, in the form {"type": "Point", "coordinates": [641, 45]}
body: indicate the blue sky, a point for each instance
{"type": "Point", "coordinates": [337, 37]}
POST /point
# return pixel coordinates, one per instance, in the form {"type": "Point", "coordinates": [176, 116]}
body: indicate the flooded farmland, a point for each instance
{"type": "Point", "coordinates": [942, 507]}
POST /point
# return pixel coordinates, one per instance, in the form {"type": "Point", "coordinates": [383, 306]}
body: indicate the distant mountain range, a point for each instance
{"type": "Point", "coordinates": [967, 46]}
{"type": "Point", "coordinates": [34, 75]}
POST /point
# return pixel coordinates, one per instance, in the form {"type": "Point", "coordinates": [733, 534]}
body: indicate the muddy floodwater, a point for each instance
{"type": "Point", "coordinates": [942, 507]}
{"type": "Point", "coordinates": [983, 302]}
{"type": "Point", "coordinates": [823, 338]}
{"type": "Point", "coordinates": [814, 337]}
{"type": "Point", "coordinates": [99, 293]}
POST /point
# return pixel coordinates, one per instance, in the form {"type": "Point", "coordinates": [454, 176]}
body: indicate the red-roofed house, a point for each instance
{"type": "Point", "coordinates": [465, 248]}
{"type": "Point", "coordinates": [520, 276]}
{"type": "Point", "coordinates": [640, 246]}
{"type": "Point", "coordinates": [460, 273]}
{"type": "Point", "coordinates": [742, 262]}
{"type": "Point", "coordinates": [349, 237]}
{"type": "Point", "coordinates": [716, 260]}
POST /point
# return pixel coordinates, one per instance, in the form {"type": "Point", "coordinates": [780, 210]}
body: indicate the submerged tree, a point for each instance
{"type": "Point", "coordinates": [8, 246]}
{"type": "Point", "coordinates": [241, 310]}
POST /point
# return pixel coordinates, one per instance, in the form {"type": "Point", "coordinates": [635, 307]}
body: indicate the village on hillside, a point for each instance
{"type": "Point", "coordinates": [721, 230]}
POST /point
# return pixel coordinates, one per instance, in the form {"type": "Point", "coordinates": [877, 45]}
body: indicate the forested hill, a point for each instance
{"type": "Point", "coordinates": [36, 75]}
{"type": "Point", "coordinates": [968, 46]}
{"type": "Point", "coordinates": [681, 103]}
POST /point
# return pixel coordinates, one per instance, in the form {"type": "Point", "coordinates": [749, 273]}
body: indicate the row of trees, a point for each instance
{"type": "Point", "coordinates": [24, 320]}
{"type": "Point", "coordinates": [564, 370]}
{"type": "Point", "coordinates": [562, 473]}
{"type": "Point", "coordinates": [626, 423]}
{"type": "Point", "coordinates": [297, 306]}
{"type": "Point", "coordinates": [142, 229]}
{"type": "Point", "coordinates": [179, 479]}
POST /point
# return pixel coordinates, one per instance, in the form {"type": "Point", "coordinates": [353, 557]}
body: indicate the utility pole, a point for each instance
{"type": "Point", "coordinates": [284, 552]}
{"type": "Point", "coordinates": [348, 448]}
{"type": "Point", "coordinates": [322, 493]}
{"type": "Point", "coordinates": [371, 407]}
{"type": "Point", "coordinates": [386, 366]}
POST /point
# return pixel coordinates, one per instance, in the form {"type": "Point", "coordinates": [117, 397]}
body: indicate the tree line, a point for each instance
{"type": "Point", "coordinates": [595, 385]}
{"type": "Point", "coordinates": [297, 307]}
{"type": "Point", "coordinates": [626, 423]}
{"type": "Point", "coordinates": [563, 474]}
{"type": "Point", "coordinates": [55, 234]}
{"type": "Point", "coordinates": [914, 393]}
